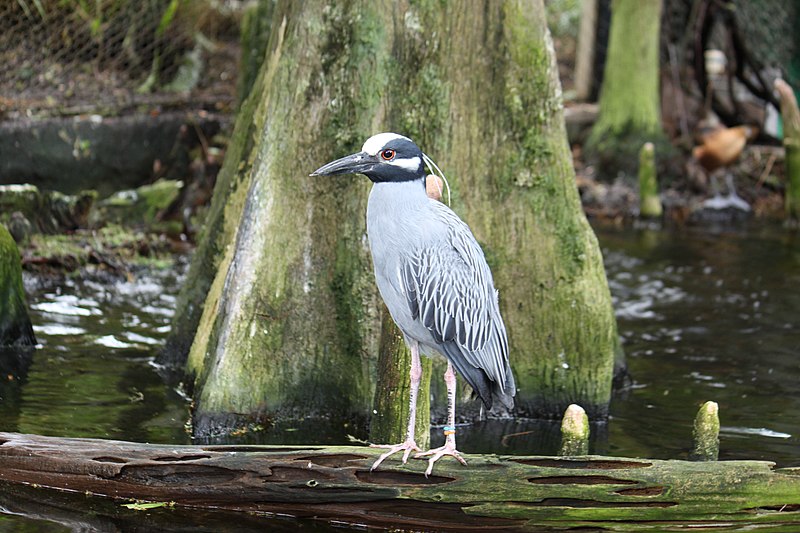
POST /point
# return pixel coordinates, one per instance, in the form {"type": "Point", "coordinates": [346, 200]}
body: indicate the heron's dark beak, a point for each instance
{"type": "Point", "coordinates": [351, 164]}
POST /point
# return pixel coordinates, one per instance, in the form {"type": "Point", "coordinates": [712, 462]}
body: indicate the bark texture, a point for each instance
{"type": "Point", "coordinates": [505, 151]}
{"type": "Point", "coordinates": [706, 433]}
{"type": "Point", "coordinates": [335, 485]}
{"type": "Point", "coordinates": [15, 324]}
{"type": "Point", "coordinates": [630, 113]}
{"type": "Point", "coordinates": [649, 201]}
{"type": "Point", "coordinates": [290, 323]}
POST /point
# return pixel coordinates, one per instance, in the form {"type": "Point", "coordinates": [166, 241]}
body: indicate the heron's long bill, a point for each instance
{"type": "Point", "coordinates": [351, 164]}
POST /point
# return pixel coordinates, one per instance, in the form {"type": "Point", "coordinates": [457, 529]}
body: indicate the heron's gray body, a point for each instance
{"type": "Point", "coordinates": [434, 279]}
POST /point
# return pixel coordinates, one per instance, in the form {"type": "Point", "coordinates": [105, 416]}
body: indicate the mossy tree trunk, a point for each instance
{"type": "Point", "coordinates": [629, 98]}
{"type": "Point", "coordinates": [488, 87]}
{"type": "Point", "coordinates": [291, 325]}
{"type": "Point", "coordinates": [15, 325]}
{"type": "Point", "coordinates": [649, 201]}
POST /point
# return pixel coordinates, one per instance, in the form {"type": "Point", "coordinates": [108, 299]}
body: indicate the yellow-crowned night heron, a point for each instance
{"type": "Point", "coordinates": [433, 276]}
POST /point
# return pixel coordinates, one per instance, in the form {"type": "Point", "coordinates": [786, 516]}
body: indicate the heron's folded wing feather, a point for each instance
{"type": "Point", "coordinates": [449, 288]}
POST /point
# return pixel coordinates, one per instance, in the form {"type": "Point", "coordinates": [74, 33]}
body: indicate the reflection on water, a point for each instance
{"type": "Point", "coordinates": [707, 316]}
{"type": "Point", "coordinates": [702, 316]}
{"type": "Point", "coordinates": [92, 374]}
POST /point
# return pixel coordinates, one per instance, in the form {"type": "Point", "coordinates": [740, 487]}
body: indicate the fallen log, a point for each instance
{"type": "Point", "coordinates": [334, 484]}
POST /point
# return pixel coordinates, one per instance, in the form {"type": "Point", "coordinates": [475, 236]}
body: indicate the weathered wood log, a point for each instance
{"type": "Point", "coordinates": [335, 484]}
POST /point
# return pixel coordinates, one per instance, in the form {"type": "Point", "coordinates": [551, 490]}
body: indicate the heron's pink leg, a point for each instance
{"type": "Point", "coordinates": [410, 444]}
{"type": "Point", "coordinates": [449, 447]}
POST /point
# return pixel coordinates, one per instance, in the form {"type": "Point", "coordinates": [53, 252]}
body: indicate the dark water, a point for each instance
{"type": "Point", "coordinates": [707, 316]}
{"type": "Point", "coordinates": [704, 316]}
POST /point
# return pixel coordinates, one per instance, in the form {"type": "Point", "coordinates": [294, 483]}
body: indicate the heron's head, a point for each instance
{"type": "Point", "coordinates": [384, 157]}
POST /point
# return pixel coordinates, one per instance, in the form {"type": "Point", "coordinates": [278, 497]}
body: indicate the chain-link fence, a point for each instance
{"type": "Point", "coordinates": [68, 56]}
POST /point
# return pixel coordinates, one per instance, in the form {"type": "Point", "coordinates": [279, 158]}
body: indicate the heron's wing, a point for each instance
{"type": "Point", "coordinates": [449, 288]}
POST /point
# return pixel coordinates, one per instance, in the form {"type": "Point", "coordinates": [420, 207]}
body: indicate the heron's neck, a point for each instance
{"type": "Point", "coordinates": [400, 191]}
{"type": "Point", "coordinates": [396, 200]}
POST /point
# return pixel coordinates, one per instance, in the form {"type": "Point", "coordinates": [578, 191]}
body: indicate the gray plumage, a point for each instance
{"type": "Point", "coordinates": [434, 279]}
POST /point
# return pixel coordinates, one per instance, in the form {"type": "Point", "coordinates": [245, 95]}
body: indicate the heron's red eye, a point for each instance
{"type": "Point", "coordinates": [388, 155]}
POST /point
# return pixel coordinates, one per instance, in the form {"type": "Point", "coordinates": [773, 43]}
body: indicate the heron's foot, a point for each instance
{"type": "Point", "coordinates": [406, 447]}
{"type": "Point", "coordinates": [438, 453]}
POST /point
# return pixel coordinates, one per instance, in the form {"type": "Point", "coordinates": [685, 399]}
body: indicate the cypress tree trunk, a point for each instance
{"type": "Point", "coordinates": [290, 322]}
{"type": "Point", "coordinates": [629, 98]}
{"type": "Point", "coordinates": [290, 325]}
{"type": "Point", "coordinates": [488, 86]}
{"type": "Point", "coordinates": [219, 232]}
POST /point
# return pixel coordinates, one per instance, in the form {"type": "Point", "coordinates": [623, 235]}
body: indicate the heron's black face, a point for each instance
{"type": "Point", "coordinates": [386, 157]}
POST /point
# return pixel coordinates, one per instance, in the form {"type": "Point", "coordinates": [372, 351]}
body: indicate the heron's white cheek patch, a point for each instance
{"type": "Point", "coordinates": [411, 163]}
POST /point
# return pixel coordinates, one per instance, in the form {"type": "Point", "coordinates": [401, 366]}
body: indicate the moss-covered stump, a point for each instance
{"type": "Point", "coordinates": [706, 433]}
{"type": "Point", "coordinates": [791, 142]}
{"type": "Point", "coordinates": [335, 484]}
{"type": "Point", "coordinates": [649, 201]}
{"type": "Point", "coordinates": [574, 432]}
{"type": "Point", "coordinates": [15, 324]}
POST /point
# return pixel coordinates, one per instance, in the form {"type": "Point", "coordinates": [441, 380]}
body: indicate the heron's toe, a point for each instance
{"type": "Point", "coordinates": [438, 453]}
{"type": "Point", "coordinates": [406, 447]}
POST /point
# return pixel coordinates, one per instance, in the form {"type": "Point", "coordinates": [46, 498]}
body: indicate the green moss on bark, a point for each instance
{"type": "Point", "coordinates": [295, 328]}
{"type": "Point", "coordinates": [574, 432]}
{"type": "Point", "coordinates": [706, 433]}
{"type": "Point", "coordinates": [15, 325]}
{"type": "Point", "coordinates": [391, 406]}
{"type": "Point", "coordinates": [649, 202]}
{"type": "Point", "coordinates": [509, 155]}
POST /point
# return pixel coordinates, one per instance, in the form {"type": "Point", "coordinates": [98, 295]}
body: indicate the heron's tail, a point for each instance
{"type": "Point", "coordinates": [482, 386]}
